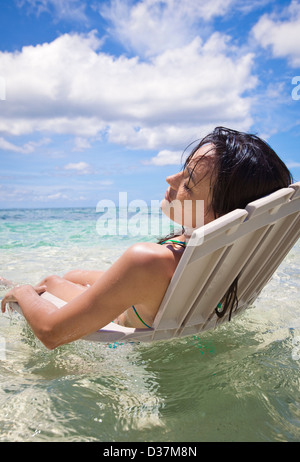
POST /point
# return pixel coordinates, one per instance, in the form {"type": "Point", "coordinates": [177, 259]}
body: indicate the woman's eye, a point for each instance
{"type": "Point", "coordinates": [185, 185]}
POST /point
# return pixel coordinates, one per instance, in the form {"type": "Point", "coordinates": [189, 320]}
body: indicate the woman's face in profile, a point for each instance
{"type": "Point", "coordinates": [188, 198]}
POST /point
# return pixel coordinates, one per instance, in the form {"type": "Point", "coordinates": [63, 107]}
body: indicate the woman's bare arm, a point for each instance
{"type": "Point", "coordinates": [130, 280]}
{"type": "Point", "coordinates": [84, 277]}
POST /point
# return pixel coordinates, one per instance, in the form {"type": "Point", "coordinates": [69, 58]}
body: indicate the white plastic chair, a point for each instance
{"type": "Point", "coordinates": [249, 243]}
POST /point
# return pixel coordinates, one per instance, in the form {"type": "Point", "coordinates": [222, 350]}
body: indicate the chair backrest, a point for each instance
{"type": "Point", "coordinates": [249, 243]}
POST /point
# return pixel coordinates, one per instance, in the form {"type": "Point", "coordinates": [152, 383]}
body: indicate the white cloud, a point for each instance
{"type": "Point", "coordinates": [2, 89]}
{"type": "Point", "coordinates": [69, 86]}
{"type": "Point", "coordinates": [149, 27]}
{"type": "Point", "coordinates": [55, 196]}
{"type": "Point", "coordinates": [293, 164]}
{"type": "Point", "coordinates": [29, 194]}
{"type": "Point", "coordinates": [281, 34]}
{"type": "Point", "coordinates": [27, 148]}
{"type": "Point", "coordinates": [81, 144]}
{"type": "Point", "coordinates": [81, 168]}
{"type": "Point", "coordinates": [61, 9]}
{"type": "Point", "coordinates": [166, 157]}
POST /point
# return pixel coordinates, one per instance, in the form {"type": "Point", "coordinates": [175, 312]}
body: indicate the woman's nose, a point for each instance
{"type": "Point", "coordinates": [173, 180]}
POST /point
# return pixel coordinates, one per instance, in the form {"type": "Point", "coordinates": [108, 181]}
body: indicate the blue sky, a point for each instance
{"type": "Point", "coordinates": [101, 97]}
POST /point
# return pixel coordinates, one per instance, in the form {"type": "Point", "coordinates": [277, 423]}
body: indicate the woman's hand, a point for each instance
{"type": "Point", "coordinates": [14, 294]}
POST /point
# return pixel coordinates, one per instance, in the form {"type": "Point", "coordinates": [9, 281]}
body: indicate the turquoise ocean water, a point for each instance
{"type": "Point", "coordinates": [237, 383]}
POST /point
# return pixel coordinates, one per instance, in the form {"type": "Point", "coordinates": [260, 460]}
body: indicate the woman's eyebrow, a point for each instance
{"type": "Point", "coordinates": [190, 172]}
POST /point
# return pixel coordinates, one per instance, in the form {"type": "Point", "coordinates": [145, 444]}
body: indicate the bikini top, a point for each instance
{"type": "Point", "coordinates": [171, 241]}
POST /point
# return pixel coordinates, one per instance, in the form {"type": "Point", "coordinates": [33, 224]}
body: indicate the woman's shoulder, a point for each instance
{"type": "Point", "coordinates": [145, 251]}
{"type": "Point", "coordinates": [153, 257]}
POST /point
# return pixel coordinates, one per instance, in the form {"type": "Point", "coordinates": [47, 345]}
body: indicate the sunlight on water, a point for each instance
{"type": "Point", "coordinates": [238, 383]}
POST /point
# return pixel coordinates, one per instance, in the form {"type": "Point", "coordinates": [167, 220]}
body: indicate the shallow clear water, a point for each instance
{"type": "Point", "coordinates": [237, 383]}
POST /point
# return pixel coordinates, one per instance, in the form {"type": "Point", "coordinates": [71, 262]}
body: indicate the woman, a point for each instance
{"type": "Point", "coordinates": [226, 170]}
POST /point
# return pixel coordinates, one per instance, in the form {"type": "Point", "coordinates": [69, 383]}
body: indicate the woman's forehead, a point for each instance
{"type": "Point", "coordinates": [205, 152]}
{"type": "Point", "coordinates": [207, 149]}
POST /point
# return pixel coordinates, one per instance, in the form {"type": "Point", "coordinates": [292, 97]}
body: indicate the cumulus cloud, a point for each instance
{"type": "Point", "coordinates": [149, 27]}
{"type": "Point", "coordinates": [2, 89]}
{"type": "Point", "coordinates": [69, 86]}
{"type": "Point", "coordinates": [281, 33]}
{"type": "Point", "coordinates": [182, 81]}
{"type": "Point", "coordinates": [166, 157]}
{"type": "Point", "coordinates": [82, 168]}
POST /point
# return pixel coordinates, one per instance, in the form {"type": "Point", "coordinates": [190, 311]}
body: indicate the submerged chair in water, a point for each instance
{"type": "Point", "coordinates": [247, 243]}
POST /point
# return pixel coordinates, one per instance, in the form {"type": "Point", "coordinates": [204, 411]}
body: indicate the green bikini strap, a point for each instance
{"type": "Point", "coordinates": [140, 317]}
{"type": "Point", "coordinates": [174, 241]}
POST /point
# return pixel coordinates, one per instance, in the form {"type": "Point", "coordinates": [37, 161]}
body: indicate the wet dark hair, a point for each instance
{"type": "Point", "coordinates": [245, 168]}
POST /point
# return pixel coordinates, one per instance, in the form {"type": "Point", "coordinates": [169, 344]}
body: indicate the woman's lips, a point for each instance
{"type": "Point", "coordinates": [167, 197]}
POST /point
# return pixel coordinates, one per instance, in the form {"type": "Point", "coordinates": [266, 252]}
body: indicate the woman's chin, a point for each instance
{"type": "Point", "coordinates": [174, 212]}
{"type": "Point", "coordinates": [169, 209]}
{"type": "Point", "coordinates": [166, 208]}
{"type": "Point", "coordinates": [164, 204]}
